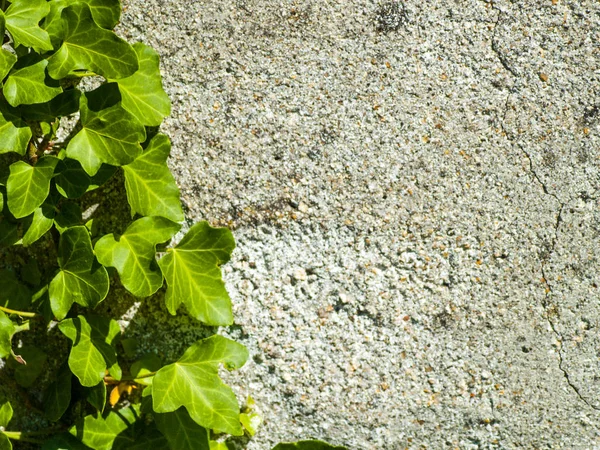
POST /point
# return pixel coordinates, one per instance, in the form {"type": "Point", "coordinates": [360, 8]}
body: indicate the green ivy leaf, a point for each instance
{"type": "Point", "coordinates": [13, 294]}
{"type": "Point", "coordinates": [193, 382]}
{"type": "Point", "coordinates": [181, 432]}
{"type": "Point", "coordinates": [7, 60]}
{"type": "Point", "coordinates": [149, 363]}
{"type": "Point", "coordinates": [72, 181]}
{"type": "Point", "coordinates": [133, 253]}
{"type": "Point", "coordinates": [6, 413]}
{"type": "Point", "coordinates": [193, 275]}
{"type": "Point", "coordinates": [97, 396]}
{"type": "Point", "coordinates": [64, 441]}
{"type": "Point", "coordinates": [8, 233]}
{"type": "Point", "coordinates": [62, 105]}
{"type": "Point", "coordinates": [5, 443]}
{"type": "Point", "coordinates": [69, 215]}
{"type": "Point", "coordinates": [214, 445]}
{"type": "Point", "coordinates": [7, 329]}
{"type": "Point", "coordinates": [109, 135]}
{"type": "Point", "coordinates": [38, 224]}
{"type": "Point", "coordinates": [143, 94]}
{"type": "Point", "coordinates": [151, 188]}
{"type": "Point", "coordinates": [106, 14]}
{"type": "Point", "coordinates": [251, 421]}
{"type": "Point", "coordinates": [22, 19]}
{"type": "Point", "coordinates": [94, 339]}
{"type": "Point", "coordinates": [141, 438]}
{"type": "Point", "coordinates": [80, 279]}
{"type": "Point", "coordinates": [14, 132]}
{"type": "Point", "coordinates": [307, 445]}
{"type": "Point", "coordinates": [99, 433]}
{"type": "Point", "coordinates": [86, 46]}
{"type": "Point", "coordinates": [26, 374]}
{"type": "Point", "coordinates": [57, 396]}
{"type": "Point", "coordinates": [30, 85]}
{"type": "Point", "coordinates": [28, 186]}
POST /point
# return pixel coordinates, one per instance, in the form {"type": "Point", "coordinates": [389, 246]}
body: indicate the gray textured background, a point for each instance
{"type": "Point", "coordinates": [415, 202]}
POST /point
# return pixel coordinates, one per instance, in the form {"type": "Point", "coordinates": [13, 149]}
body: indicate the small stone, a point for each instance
{"type": "Point", "coordinates": [300, 274]}
{"type": "Point", "coordinates": [543, 77]}
{"type": "Point", "coordinates": [303, 207]}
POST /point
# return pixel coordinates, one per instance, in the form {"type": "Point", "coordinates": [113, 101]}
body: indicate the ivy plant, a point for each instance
{"type": "Point", "coordinates": [79, 111]}
{"type": "Point", "coordinates": [48, 167]}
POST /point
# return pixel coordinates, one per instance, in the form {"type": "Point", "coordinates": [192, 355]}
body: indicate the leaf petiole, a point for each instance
{"type": "Point", "coordinates": [111, 380]}
{"type": "Point", "coordinates": [19, 313]}
{"type": "Point", "coordinates": [24, 437]}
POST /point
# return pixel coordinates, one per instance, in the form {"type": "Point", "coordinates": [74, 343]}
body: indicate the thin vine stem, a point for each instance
{"type": "Point", "coordinates": [128, 378]}
{"type": "Point", "coordinates": [19, 313]}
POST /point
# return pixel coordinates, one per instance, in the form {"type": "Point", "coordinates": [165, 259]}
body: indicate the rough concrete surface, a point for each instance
{"type": "Point", "coordinates": [413, 187]}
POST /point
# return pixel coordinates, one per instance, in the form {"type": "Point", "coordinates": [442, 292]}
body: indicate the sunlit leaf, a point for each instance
{"type": "Point", "coordinates": [193, 382]}
{"type": "Point", "coordinates": [14, 132]}
{"type": "Point", "coordinates": [109, 134]}
{"type": "Point", "coordinates": [151, 188]}
{"type": "Point", "coordinates": [143, 94]}
{"type": "Point", "coordinates": [28, 186]}
{"type": "Point", "coordinates": [81, 278]}
{"type": "Point", "coordinates": [7, 61]}
{"type": "Point", "coordinates": [133, 253]}
{"type": "Point", "coordinates": [99, 433]}
{"type": "Point", "coordinates": [6, 413]}
{"type": "Point", "coordinates": [7, 329]}
{"type": "Point", "coordinates": [86, 46]}
{"type": "Point", "coordinates": [22, 19]}
{"type": "Point", "coordinates": [30, 85]}
{"type": "Point", "coordinates": [94, 339]}
{"type": "Point", "coordinates": [193, 275]}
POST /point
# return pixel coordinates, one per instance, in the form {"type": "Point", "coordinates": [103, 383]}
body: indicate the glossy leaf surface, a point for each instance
{"type": "Point", "coordinates": [7, 329]}
{"type": "Point", "coordinates": [143, 94]}
{"type": "Point", "coordinates": [30, 85]}
{"type": "Point", "coordinates": [93, 348]}
{"type": "Point", "coordinates": [14, 132]}
{"type": "Point", "coordinates": [151, 188]}
{"type": "Point", "coordinates": [80, 279]}
{"type": "Point", "coordinates": [72, 181]}
{"type": "Point", "coordinates": [193, 382]}
{"type": "Point", "coordinates": [7, 60]}
{"type": "Point", "coordinates": [133, 253]}
{"type": "Point", "coordinates": [109, 135]}
{"type": "Point", "coordinates": [100, 432]}
{"type": "Point", "coordinates": [193, 275]}
{"type": "Point", "coordinates": [88, 47]}
{"type": "Point", "coordinates": [28, 186]}
{"type": "Point", "coordinates": [181, 432]}
{"type": "Point", "coordinates": [22, 19]}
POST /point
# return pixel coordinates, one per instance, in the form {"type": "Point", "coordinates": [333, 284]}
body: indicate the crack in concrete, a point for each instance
{"type": "Point", "coordinates": [544, 260]}
{"type": "Point", "coordinates": [495, 49]}
{"type": "Point", "coordinates": [548, 306]}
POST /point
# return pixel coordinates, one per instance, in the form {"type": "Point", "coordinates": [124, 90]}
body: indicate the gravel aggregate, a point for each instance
{"type": "Point", "coordinates": [413, 187]}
